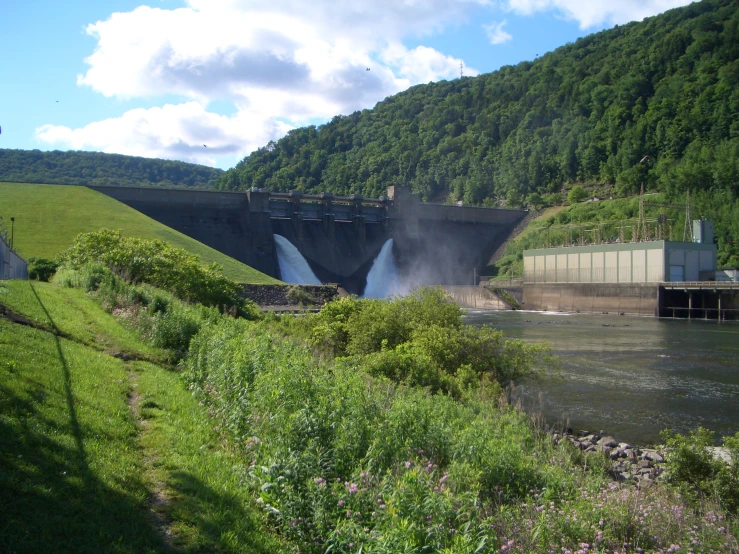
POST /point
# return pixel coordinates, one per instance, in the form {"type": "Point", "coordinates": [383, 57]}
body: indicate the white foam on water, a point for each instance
{"type": "Point", "coordinates": [294, 268]}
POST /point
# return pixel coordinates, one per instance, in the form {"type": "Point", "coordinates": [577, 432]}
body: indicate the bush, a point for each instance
{"type": "Point", "coordinates": [420, 340]}
{"type": "Point", "coordinates": [695, 471]}
{"type": "Point", "coordinates": [41, 269]}
{"type": "Point", "coordinates": [298, 295]}
{"type": "Point", "coordinates": [576, 194]}
{"type": "Point", "coordinates": [159, 264]}
{"type": "Point", "coordinates": [174, 329]}
{"type": "Point", "coordinates": [350, 326]}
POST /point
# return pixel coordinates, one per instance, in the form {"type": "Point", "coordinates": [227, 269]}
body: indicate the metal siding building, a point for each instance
{"type": "Point", "coordinates": [631, 263]}
{"type": "Point", "coordinates": [12, 266]}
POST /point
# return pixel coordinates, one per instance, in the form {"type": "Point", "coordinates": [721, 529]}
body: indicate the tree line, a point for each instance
{"type": "Point", "coordinates": [98, 168]}
{"type": "Point", "coordinates": [664, 90]}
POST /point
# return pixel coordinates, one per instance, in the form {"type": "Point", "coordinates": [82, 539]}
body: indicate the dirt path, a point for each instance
{"type": "Point", "coordinates": [158, 499]}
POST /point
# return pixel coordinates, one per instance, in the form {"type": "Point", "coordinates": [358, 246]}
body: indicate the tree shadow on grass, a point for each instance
{"type": "Point", "coordinates": [50, 499]}
{"type": "Point", "coordinates": [221, 520]}
{"type": "Point", "coordinates": [51, 502]}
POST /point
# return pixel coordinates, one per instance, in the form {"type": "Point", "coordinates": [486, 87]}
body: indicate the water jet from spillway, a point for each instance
{"type": "Point", "coordinates": [383, 279]}
{"type": "Point", "coordinates": [294, 268]}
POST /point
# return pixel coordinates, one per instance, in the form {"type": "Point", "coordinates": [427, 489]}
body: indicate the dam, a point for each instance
{"type": "Point", "coordinates": [339, 236]}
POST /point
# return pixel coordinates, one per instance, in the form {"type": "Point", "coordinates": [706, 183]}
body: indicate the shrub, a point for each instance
{"type": "Point", "coordinates": [158, 304]}
{"type": "Point", "coordinates": [300, 296]}
{"type": "Point", "coordinates": [576, 194]}
{"type": "Point", "coordinates": [159, 264]}
{"type": "Point", "coordinates": [690, 465]}
{"type": "Point", "coordinates": [41, 269]}
{"type": "Point", "coordinates": [693, 468]}
{"type": "Point", "coordinates": [419, 340]}
{"type": "Point", "coordinates": [174, 329]}
{"type": "Point", "coordinates": [351, 326]}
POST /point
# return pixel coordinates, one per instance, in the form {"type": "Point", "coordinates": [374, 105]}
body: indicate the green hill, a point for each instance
{"type": "Point", "coordinates": [49, 217]}
{"type": "Point", "coordinates": [587, 112]}
{"type": "Point", "coordinates": [97, 168]}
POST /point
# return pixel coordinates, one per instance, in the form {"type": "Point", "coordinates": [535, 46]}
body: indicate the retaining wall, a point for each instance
{"type": "Point", "coordinates": [632, 299]}
{"type": "Point", "coordinates": [476, 298]}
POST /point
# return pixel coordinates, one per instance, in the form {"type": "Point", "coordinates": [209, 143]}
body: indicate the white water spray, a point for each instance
{"type": "Point", "coordinates": [294, 268]}
{"type": "Point", "coordinates": [383, 279]}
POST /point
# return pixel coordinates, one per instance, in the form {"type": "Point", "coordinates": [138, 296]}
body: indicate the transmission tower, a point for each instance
{"type": "Point", "coordinates": [687, 234]}
{"type": "Point", "coordinates": [640, 235]}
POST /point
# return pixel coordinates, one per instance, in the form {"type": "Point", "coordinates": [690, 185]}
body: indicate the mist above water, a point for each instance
{"type": "Point", "coordinates": [294, 268]}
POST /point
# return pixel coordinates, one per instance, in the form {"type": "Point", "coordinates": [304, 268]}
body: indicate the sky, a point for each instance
{"type": "Point", "coordinates": [209, 81]}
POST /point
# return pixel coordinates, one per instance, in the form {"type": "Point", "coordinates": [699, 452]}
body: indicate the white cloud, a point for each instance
{"type": "Point", "coordinates": [182, 132]}
{"type": "Point", "coordinates": [281, 64]}
{"type": "Point", "coordinates": [422, 64]}
{"type": "Point", "coordinates": [495, 32]}
{"type": "Point", "coordinates": [593, 13]}
{"type": "Point", "coordinates": [284, 60]}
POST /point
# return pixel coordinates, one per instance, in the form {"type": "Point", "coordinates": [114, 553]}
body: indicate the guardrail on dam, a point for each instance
{"type": "Point", "coordinates": [339, 236]}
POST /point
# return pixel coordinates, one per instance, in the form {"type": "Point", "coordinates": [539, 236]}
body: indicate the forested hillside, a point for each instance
{"type": "Point", "coordinates": [588, 112]}
{"type": "Point", "coordinates": [97, 168]}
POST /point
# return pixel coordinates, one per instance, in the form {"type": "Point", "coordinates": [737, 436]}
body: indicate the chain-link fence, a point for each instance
{"type": "Point", "coordinates": [12, 266]}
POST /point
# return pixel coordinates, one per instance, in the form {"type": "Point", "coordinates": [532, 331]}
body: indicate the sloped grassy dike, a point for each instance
{"type": "Point", "coordinates": [379, 426]}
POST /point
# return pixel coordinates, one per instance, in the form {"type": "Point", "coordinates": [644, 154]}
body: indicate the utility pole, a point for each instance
{"type": "Point", "coordinates": [461, 69]}
{"type": "Point", "coordinates": [12, 232]}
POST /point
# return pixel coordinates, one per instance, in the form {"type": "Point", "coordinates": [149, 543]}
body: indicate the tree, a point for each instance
{"type": "Point", "coordinates": [576, 194]}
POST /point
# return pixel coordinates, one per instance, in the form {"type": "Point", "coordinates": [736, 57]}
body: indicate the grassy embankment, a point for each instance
{"type": "Point", "coordinates": [98, 454]}
{"type": "Point", "coordinates": [373, 426]}
{"type": "Point", "coordinates": [49, 217]}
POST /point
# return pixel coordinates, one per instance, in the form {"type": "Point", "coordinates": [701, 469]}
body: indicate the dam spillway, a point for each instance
{"type": "Point", "coordinates": [340, 237]}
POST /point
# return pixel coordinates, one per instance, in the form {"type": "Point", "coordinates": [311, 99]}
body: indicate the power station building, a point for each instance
{"type": "Point", "coordinates": [629, 263]}
{"type": "Point", "coordinates": [662, 278]}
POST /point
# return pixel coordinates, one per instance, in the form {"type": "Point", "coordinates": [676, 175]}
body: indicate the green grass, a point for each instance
{"type": "Point", "coordinates": [76, 316]}
{"type": "Point", "coordinates": [203, 477]}
{"type": "Point", "coordinates": [79, 472]}
{"type": "Point", "coordinates": [49, 217]}
{"type": "Point", "coordinates": [70, 466]}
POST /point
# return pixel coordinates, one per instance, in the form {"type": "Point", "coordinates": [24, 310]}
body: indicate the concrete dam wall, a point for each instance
{"type": "Point", "coordinates": [340, 237]}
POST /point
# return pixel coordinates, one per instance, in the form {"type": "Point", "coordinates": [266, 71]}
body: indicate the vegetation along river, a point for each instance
{"type": "Point", "coordinates": [631, 377]}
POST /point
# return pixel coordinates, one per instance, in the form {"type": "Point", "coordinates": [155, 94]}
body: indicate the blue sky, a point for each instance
{"type": "Point", "coordinates": [208, 81]}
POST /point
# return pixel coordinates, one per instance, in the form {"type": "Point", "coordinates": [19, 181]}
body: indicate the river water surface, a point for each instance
{"type": "Point", "coordinates": [631, 377]}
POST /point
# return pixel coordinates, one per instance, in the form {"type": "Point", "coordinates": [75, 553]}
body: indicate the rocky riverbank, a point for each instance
{"type": "Point", "coordinates": [642, 466]}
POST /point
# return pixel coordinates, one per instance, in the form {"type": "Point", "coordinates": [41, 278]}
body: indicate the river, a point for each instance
{"type": "Point", "coordinates": [631, 376]}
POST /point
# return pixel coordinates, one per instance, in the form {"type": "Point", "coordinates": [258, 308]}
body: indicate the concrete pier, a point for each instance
{"type": "Point", "coordinates": [705, 300]}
